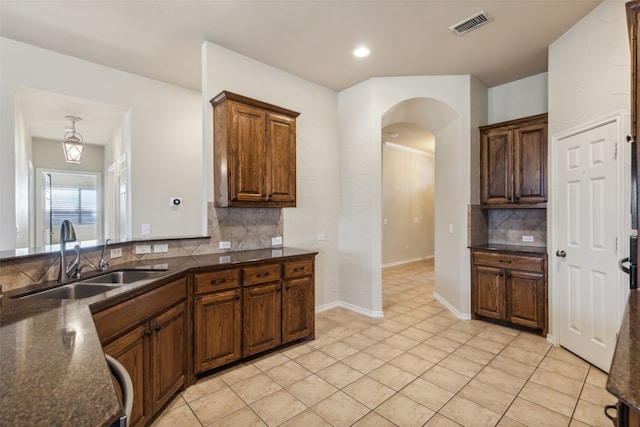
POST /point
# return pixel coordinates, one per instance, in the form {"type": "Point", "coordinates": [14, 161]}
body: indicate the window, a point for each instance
{"type": "Point", "coordinates": [77, 204]}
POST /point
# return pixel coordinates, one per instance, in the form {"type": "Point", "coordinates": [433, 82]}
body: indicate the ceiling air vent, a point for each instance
{"type": "Point", "coordinates": [471, 23]}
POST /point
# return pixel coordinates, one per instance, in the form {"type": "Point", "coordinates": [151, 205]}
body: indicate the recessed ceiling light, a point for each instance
{"type": "Point", "coordinates": [361, 52]}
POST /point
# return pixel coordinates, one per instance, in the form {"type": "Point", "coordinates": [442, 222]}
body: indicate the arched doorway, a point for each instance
{"type": "Point", "coordinates": [409, 131]}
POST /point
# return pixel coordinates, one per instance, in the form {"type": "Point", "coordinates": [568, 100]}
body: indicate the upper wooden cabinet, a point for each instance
{"type": "Point", "coordinates": [513, 163]}
{"type": "Point", "coordinates": [254, 153]}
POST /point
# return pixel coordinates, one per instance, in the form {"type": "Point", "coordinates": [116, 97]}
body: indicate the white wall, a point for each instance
{"type": "Point", "coordinates": [589, 71]}
{"type": "Point", "coordinates": [317, 153]}
{"type": "Point", "coordinates": [408, 194]}
{"type": "Point", "coordinates": [520, 98]}
{"type": "Point", "coordinates": [589, 77]}
{"type": "Point", "coordinates": [361, 109]}
{"type": "Point", "coordinates": [166, 135]}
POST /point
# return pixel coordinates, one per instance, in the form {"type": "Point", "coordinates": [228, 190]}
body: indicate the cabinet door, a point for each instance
{"type": "Point", "coordinates": [526, 298]}
{"type": "Point", "coordinates": [132, 351]}
{"type": "Point", "coordinates": [247, 153]}
{"type": "Point", "coordinates": [496, 167]}
{"type": "Point", "coordinates": [489, 295]}
{"type": "Point", "coordinates": [168, 354]}
{"type": "Point", "coordinates": [530, 163]}
{"type": "Point", "coordinates": [281, 143]}
{"type": "Point", "coordinates": [262, 310]}
{"type": "Point", "coordinates": [217, 329]}
{"type": "Point", "coordinates": [297, 308]}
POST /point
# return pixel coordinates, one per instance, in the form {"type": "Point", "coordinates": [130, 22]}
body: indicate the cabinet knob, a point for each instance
{"type": "Point", "coordinates": [561, 254]}
{"type": "Point", "coordinates": [148, 332]}
{"type": "Point", "coordinates": [508, 274]}
{"type": "Point", "coordinates": [157, 328]}
{"type": "Point", "coordinates": [501, 274]}
{"type": "Point", "coordinates": [517, 199]}
{"type": "Point", "coordinates": [505, 261]}
{"type": "Point", "coordinates": [237, 297]}
{"type": "Point", "coordinates": [278, 289]}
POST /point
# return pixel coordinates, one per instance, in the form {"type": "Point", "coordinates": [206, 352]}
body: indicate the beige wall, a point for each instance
{"type": "Point", "coordinates": [408, 196]}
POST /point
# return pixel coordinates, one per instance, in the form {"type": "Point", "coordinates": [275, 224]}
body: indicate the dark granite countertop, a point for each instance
{"type": "Point", "coordinates": [624, 375]}
{"type": "Point", "coordinates": [521, 249]}
{"type": "Point", "coordinates": [52, 367]}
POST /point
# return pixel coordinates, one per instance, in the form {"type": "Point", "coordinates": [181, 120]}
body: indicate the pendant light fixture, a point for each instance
{"type": "Point", "coordinates": [72, 143]}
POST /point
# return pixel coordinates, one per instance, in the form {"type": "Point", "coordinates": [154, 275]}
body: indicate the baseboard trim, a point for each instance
{"type": "Point", "coordinates": [335, 304]}
{"type": "Point", "coordinates": [406, 261]}
{"type": "Point", "coordinates": [461, 316]}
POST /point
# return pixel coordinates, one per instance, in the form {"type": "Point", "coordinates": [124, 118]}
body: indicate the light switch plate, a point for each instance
{"type": "Point", "coordinates": [146, 229]}
{"type": "Point", "coordinates": [225, 245]}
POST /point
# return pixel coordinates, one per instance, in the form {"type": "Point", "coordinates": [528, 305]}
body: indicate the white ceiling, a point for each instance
{"type": "Point", "coordinates": [312, 39]}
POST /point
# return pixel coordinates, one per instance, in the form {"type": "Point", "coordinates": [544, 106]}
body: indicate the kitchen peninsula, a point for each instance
{"type": "Point", "coordinates": [52, 365]}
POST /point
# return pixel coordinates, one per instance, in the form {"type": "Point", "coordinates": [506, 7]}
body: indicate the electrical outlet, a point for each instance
{"type": "Point", "coordinates": [143, 249]}
{"type": "Point", "coordinates": [160, 248]}
{"type": "Point", "coordinates": [528, 239]}
{"type": "Point", "coordinates": [321, 236]}
{"type": "Point", "coordinates": [224, 259]}
{"type": "Point", "coordinates": [275, 241]}
{"type": "Point", "coordinates": [225, 245]}
{"type": "Point", "coordinates": [116, 253]}
{"type": "Point", "coordinates": [146, 229]}
{"type": "Point", "coordinates": [416, 220]}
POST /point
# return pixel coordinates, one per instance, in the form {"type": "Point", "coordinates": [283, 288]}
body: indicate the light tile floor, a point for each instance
{"type": "Point", "coordinates": [420, 365]}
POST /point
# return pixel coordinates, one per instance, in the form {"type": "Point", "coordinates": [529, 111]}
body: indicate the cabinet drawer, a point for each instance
{"type": "Point", "coordinates": [298, 268]}
{"type": "Point", "coordinates": [216, 280]}
{"type": "Point", "coordinates": [261, 274]}
{"type": "Point", "coordinates": [119, 318]}
{"type": "Point", "coordinates": [512, 261]}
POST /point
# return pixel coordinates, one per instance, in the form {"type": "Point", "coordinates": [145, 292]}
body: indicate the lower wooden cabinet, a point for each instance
{"type": "Point", "coordinates": [262, 323]}
{"type": "Point", "coordinates": [243, 311]}
{"type": "Point", "coordinates": [298, 308]}
{"type": "Point", "coordinates": [166, 336]}
{"type": "Point", "coordinates": [148, 336]}
{"type": "Point", "coordinates": [132, 350]}
{"type": "Point", "coordinates": [509, 287]}
{"type": "Point", "coordinates": [218, 329]}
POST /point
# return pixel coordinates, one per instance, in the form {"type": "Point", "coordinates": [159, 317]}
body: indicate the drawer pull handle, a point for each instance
{"type": "Point", "coordinates": [508, 262]}
{"type": "Point", "coordinates": [263, 274]}
{"type": "Point", "coordinates": [216, 281]}
{"type": "Point", "coordinates": [298, 269]}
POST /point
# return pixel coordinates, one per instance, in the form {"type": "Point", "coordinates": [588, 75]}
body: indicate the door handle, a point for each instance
{"type": "Point", "coordinates": [561, 254]}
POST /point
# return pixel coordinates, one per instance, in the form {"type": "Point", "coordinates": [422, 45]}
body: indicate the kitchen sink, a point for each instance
{"type": "Point", "coordinates": [123, 277]}
{"type": "Point", "coordinates": [72, 291]}
{"type": "Point", "coordinates": [95, 285]}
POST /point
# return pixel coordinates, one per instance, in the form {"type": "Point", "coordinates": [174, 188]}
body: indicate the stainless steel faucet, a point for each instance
{"type": "Point", "coordinates": [104, 262]}
{"type": "Point", "coordinates": [67, 234]}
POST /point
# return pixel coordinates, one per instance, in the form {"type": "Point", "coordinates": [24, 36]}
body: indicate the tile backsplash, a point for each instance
{"type": "Point", "coordinates": [508, 226]}
{"type": "Point", "coordinates": [244, 228]}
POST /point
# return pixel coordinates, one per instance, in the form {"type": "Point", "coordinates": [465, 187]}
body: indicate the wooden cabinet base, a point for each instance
{"type": "Point", "coordinates": [510, 289]}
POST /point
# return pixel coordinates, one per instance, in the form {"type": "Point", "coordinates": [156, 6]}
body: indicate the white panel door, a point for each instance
{"type": "Point", "coordinates": [588, 223]}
